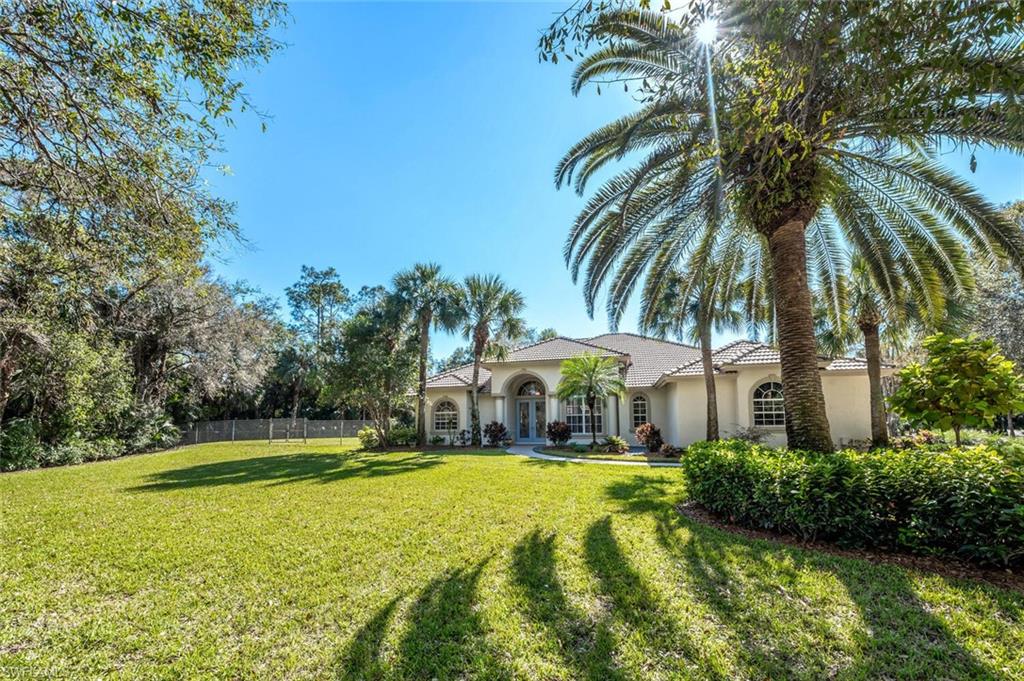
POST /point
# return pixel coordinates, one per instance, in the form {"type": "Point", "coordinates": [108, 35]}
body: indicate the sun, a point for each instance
{"type": "Point", "coordinates": [707, 31]}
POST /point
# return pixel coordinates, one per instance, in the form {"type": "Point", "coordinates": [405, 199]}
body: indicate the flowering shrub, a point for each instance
{"type": "Point", "coordinates": [559, 432]}
{"type": "Point", "coordinates": [649, 436]}
{"type": "Point", "coordinates": [496, 433]}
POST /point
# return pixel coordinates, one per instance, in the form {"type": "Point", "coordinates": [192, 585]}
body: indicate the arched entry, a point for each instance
{"type": "Point", "coordinates": [530, 412]}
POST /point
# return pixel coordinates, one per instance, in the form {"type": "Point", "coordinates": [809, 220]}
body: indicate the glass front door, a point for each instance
{"type": "Point", "coordinates": [531, 420]}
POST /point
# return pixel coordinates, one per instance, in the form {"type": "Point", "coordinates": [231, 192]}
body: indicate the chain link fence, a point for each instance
{"type": "Point", "coordinates": [271, 430]}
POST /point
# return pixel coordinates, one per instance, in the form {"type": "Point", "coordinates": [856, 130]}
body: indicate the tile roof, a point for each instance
{"type": "Point", "coordinates": [559, 348]}
{"type": "Point", "coordinates": [460, 377]}
{"type": "Point", "coordinates": [650, 357]}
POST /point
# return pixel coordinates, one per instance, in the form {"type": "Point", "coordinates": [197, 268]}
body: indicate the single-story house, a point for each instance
{"type": "Point", "coordinates": [665, 386]}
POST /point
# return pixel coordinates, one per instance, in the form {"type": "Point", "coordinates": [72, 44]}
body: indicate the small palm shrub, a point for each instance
{"type": "Point", "coordinates": [437, 440]}
{"type": "Point", "coordinates": [614, 444]}
{"type": "Point", "coordinates": [963, 502]}
{"type": "Point", "coordinates": [559, 432]}
{"type": "Point", "coordinates": [649, 436]}
{"type": "Point", "coordinates": [496, 433]}
{"type": "Point", "coordinates": [403, 436]}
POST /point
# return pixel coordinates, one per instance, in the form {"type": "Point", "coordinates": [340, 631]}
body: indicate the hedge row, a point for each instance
{"type": "Point", "coordinates": [963, 502]}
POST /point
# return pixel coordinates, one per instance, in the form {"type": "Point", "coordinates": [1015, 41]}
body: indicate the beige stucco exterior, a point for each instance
{"type": "Point", "coordinates": [677, 404]}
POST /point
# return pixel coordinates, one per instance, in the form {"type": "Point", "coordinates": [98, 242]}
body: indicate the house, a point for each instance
{"type": "Point", "coordinates": [665, 386]}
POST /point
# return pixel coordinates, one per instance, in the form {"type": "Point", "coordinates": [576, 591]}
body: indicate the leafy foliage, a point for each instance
{"type": "Point", "coordinates": [496, 433]}
{"type": "Point", "coordinates": [593, 378]}
{"type": "Point", "coordinates": [965, 382]}
{"type": "Point", "coordinates": [959, 502]}
{"type": "Point", "coordinates": [649, 435]}
{"type": "Point", "coordinates": [559, 432]}
{"type": "Point", "coordinates": [614, 444]}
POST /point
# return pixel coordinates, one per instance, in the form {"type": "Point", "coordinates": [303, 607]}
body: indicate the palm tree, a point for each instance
{"type": "Point", "coordinates": [433, 300]}
{"type": "Point", "coordinates": [593, 378]}
{"type": "Point", "coordinates": [875, 312]}
{"type": "Point", "coordinates": [491, 321]}
{"type": "Point", "coordinates": [825, 138]}
{"type": "Point", "coordinates": [695, 302]}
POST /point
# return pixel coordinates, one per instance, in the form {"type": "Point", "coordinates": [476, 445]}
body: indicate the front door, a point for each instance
{"type": "Point", "coordinates": [531, 420]}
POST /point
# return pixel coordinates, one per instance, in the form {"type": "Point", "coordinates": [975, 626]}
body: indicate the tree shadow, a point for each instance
{"type": "Point", "coordinates": [731, 575]}
{"type": "Point", "coordinates": [287, 468]}
{"type": "Point", "coordinates": [585, 645]}
{"type": "Point", "coordinates": [446, 637]}
{"type": "Point", "coordinates": [361, 659]}
{"type": "Point", "coordinates": [637, 605]}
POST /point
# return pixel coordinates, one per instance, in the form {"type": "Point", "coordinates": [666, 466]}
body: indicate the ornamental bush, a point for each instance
{"type": "Point", "coordinates": [962, 502]}
{"type": "Point", "coordinates": [614, 444]}
{"type": "Point", "coordinates": [368, 437]}
{"type": "Point", "coordinates": [649, 436]}
{"type": "Point", "coordinates": [559, 432]}
{"type": "Point", "coordinates": [495, 432]}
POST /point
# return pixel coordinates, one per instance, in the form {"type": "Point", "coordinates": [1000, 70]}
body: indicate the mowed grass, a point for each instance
{"type": "Point", "coordinates": [315, 561]}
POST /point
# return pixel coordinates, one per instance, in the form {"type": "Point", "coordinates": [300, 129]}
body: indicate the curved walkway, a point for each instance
{"type": "Point", "coordinates": [521, 450]}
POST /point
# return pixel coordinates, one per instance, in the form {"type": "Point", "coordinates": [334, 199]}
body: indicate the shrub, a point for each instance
{"type": "Point", "coordinates": [614, 444]}
{"type": "Point", "coordinates": [649, 436]}
{"type": "Point", "coordinates": [964, 502]}
{"type": "Point", "coordinates": [559, 432]}
{"type": "Point", "coordinates": [964, 383]}
{"type": "Point", "coordinates": [403, 436]}
{"type": "Point", "coordinates": [670, 452]}
{"type": "Point", "coordinates": [754, 434]}
{"type": "Point", "coordinates": [19, 445]}
{"type": "Point", "coordinates": [463, 438]}
{"type": "Point", "coordinates": [368, 437]}
{"type": "Point", "coordinates": [580, 449]}
{"type": "Point", "coordinates": [495, 433]}
{"type": "Point", "coordinates": [921, 438]}
{"type": "Point", "coordinates": [146, 428]}
{"type": "Point", "coordinates": [437, 440]}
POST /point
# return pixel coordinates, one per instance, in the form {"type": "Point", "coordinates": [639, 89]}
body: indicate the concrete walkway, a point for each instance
{"type": "Point", "coordinates": [522, 450]}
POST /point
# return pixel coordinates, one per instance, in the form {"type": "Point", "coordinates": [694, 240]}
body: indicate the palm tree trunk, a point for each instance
{"type": "Point", "coordinates": [806, 421]}
{"type": "Point", "coordinates": [873, 353]}
{"type": "Point", "coordinates": [709, 383]}
{"type": "Point", "coordinates": [475, 435]}
{"type": "Point", "coordinates": [421, 396]}
{"type": "Point", "coordinates": [591, 403]}
{"type": "Point", "coordinates": [1009, 425]}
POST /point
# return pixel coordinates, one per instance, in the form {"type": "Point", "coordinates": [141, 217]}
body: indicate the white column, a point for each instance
{"type": "Point", "coordinates": [552, 408]}
{"type": "Point", "coordinates": [499, 409]}
{"type": "Point", "coordinates": [613, 417]}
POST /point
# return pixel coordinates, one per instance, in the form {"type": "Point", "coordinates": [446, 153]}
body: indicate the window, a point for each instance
{"type": "Point", "coordinates": [531, 389]}
{"type": "Point", "coordinates": [639, 410]}
{"type": "Point", "coordinates": [446, 416]}
{"type": "Point", "coordinates": [768, 409]}
{"type": "Point", "coordinates": [578, 416]}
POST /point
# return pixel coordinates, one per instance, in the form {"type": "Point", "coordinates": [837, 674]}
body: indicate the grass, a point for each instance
{"type": "Point", "coordinates": [569, 453]}
{"type": "Point", "coordinates": [313, 561]}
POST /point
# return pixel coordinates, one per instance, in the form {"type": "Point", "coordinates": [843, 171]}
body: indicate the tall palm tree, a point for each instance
{"type": "Point", "coordinates": [594, 378]}
{"type": "Point", "coordinates": [825, 138]}
{"type": "Point", "coordinates": [491, 322]}
{"type": "Point", "coordinates": [696, 301]}
{"type": "Point", "coordinates": [433, 300]}
{"type": "Point", "coordinates": [876, 313]}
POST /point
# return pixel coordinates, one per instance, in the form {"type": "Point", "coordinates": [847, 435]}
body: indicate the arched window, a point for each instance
{"type": "Point", "coordinates": [768, 409]}
{"type": "Point", "coordinates": [531, 389]}
{"type": "Point", "coordinates": [446, 416]}
{"type": "Point", "coordinates": [639, 411]}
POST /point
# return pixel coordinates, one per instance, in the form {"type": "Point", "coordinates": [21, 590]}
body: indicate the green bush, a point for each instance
{"type": "Point", "coordinates": [368, 437]}
{"type": "Point", "coordinates": [580, 449]}
{"type": "Point", "coordinates": [437, 440]}
{"type": "Point", "coordinates": [559, 432]}
{"type": "Point", "coordinates": [614, 444]}
{"type": "Point", "coordinates": [19, 445]}
{"type": "Point", "coordinates": [403, 436]}
{"type": "Point", "coordinates": [964, 502]}
{"type": "Point", "coordinates": [649, 435]}
{"type": "Point", "coordinates": [495, 433]}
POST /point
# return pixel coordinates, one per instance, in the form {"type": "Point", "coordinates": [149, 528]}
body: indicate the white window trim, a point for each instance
{"type": "Point", "coordinates": [602, 416]}
{"type": "Point", "coordinates": [754, 400]}
{"type": "Point", "coordinates": [632, 412]}
{"type": "Point", "coordinates": [434, 413]}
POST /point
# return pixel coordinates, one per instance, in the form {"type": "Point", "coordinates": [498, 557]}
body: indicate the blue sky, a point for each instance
{"type": "Point", "coordinates": [407, 132]}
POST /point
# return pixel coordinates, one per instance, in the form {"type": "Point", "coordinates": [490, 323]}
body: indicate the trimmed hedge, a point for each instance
{"type": "Point", "coordinates": [963, 502]}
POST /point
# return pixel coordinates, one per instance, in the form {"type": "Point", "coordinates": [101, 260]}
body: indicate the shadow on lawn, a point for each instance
{"type": "Point", "coordinates": [765, 593]}
{"type": "Point", "coordinates": [286, 468]}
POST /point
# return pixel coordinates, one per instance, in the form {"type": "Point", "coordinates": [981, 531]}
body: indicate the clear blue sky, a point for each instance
{"type": "Point", "coordinates": [406, 132]}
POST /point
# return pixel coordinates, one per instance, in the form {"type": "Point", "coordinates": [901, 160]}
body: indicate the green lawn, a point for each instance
{"type": "Point", "coordinates": [605, 456]}
{"type": "Point", "coordinates": [298, 561]}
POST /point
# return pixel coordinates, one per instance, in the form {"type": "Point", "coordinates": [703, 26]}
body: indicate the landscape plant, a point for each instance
{"type": "Point", "coordinates": [592, 378]}
{"type": "Point", "coordinates": [496, 433]}
{"type": "Point", "coordinates": [961, 502]}
{"type": "Point", "coordinates": [559, 432]}
{"type": "Point", "coordinates": [964, 382]}
{"type": "Point", "coordinates": [614, 444]}
{"type": "Point", "coordinates": [809, 126]}
{"type": "Point", "coordinates": [649, 435]}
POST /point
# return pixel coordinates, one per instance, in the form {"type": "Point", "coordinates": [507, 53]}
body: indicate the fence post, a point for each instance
{"type": "Point", "coordinates": [197, 433]}
{"type": "Point", "coordinates": [270, 435]}
{"type": "Point", "coordinates": [232, 430]}
{"type": "Point", "coordinates": [305, 427]}
{"type": "Point", "coordinates": [341, 433]}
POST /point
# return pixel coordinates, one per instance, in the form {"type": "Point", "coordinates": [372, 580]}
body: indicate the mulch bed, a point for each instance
{"type": "Point", "coordinates": [946, 567]}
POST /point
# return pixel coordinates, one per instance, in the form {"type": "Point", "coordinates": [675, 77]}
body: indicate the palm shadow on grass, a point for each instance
{"type": "Point", "coordinates": [287, 468]}
{"type": "Point", "coordinates": [585, 646]}
{"type": "Point", "coordinates": [899, 638]}
{"type": "Point", "coordinates": [361, 660]}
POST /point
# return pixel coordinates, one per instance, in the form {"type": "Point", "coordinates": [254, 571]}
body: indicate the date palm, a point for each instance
{"type": "Point", "coordinates": [433, 300]}
{"type": "Point", "coordinates": [828, 119]}
{"type": "Point", "coordinates": [593, 378]}
{"type": "Point", "coordinates": [491, 322]}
